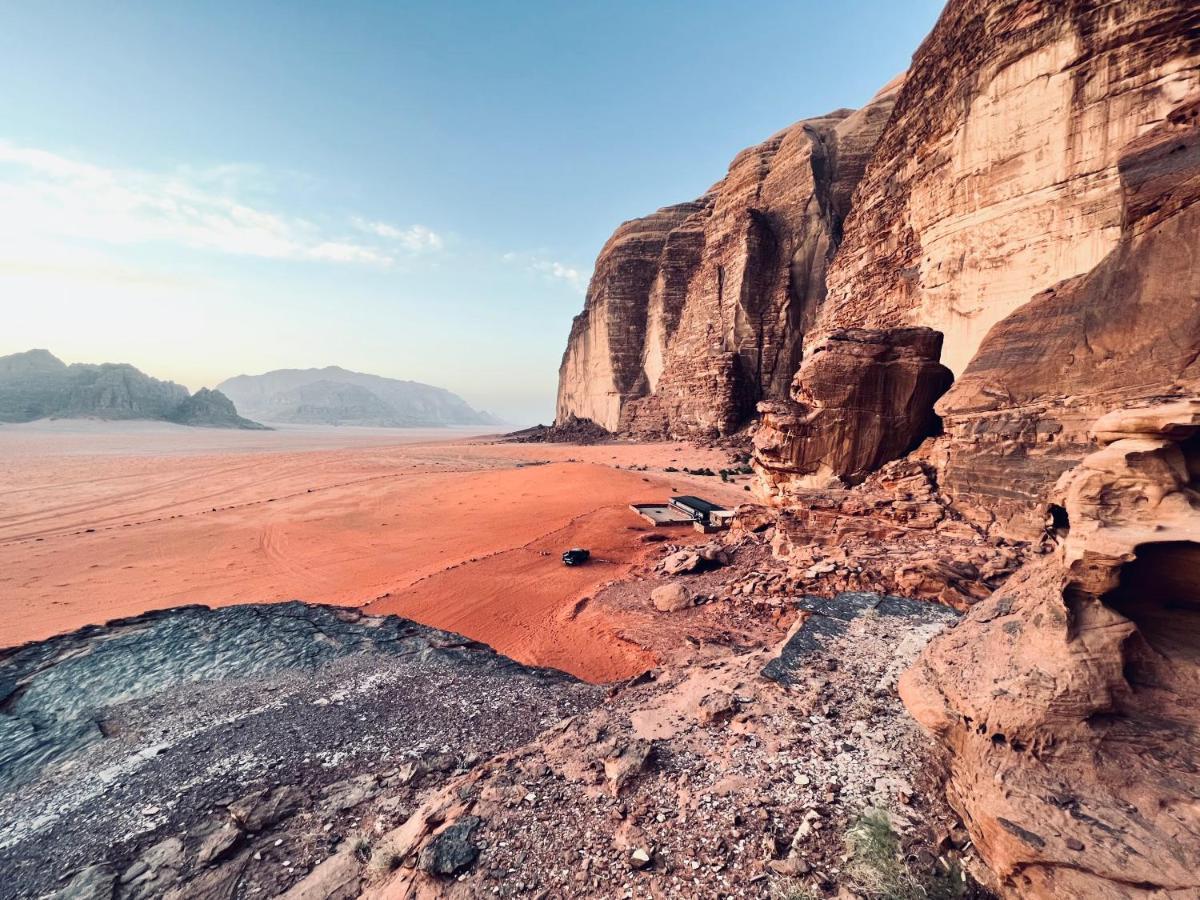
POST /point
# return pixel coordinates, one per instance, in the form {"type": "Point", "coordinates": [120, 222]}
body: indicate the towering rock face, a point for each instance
{"type": "Point", "coordinates": [1068, 700]}
{"type": "Point", "coordinates": [697, 312]}
{"type": "Point", "coordinates": [997, 176]}
{"type": "Point", "coordinates": [619, 341]}
{"type": "Point", "coordinates": [1128, 331]}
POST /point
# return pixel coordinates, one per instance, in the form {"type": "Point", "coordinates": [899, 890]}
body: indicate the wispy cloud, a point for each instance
{"type": "Point", "coordinates": [416, 238]}
{"type": "Point", "coordinates": [55, 197]}
{"type": "Point", "coordinates": [549, 268]}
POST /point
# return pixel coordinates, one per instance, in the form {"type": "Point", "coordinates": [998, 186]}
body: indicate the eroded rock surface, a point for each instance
{"type": "Point", "coordinates": [1068, 701]}
{"type": "Point", "coordinates": [1128, 332]}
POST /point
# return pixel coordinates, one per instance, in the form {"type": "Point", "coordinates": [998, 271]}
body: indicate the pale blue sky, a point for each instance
{"type": "Point", "coordinates": [412, 189]}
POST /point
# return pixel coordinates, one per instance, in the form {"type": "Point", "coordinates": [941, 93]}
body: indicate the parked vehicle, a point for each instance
{"type": "Point", "coordinates": [576, 556]}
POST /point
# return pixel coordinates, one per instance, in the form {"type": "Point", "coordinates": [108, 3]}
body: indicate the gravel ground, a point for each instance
{"type": "Point", "coordinates": [728, 782]}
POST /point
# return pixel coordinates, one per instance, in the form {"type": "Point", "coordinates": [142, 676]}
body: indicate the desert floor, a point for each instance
{"type": "Point", "coordinates": [104, 520]}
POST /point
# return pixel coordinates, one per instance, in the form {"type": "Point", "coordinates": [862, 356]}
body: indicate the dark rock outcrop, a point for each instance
{"type": "Point", "coordinates": [213, 753]}
{"type": "Point", "coordinates": [337, 396]}
{"type": "Point", "coordinates": [861, 398]}
{"type": "Point", "coordinates": [568, 431]}
{"type": "Point", "coordinates": [697, 312]}
{"type": "Point", "coordinates": [210, 409]}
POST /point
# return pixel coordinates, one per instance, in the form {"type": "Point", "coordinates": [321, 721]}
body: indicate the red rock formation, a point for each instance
{"type": "Point", "coordinates": [1069, 701]}
{"type": "Point", "coordinates": [697, 312]}
{"type": "Point", "coordinates": [998, 174]}
{"type": "Point", "coordinates": [861, 398]}
{"type": "Point", "coordinates": [1127, 331]}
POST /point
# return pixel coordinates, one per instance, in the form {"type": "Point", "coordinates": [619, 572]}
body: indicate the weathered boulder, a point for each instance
{"type": "Point", "coordinates": [861, 398]}
{"type": "Point", "coordinates": [671, 597]}
{"type": "Point", "coordinates": [681, 561]}
{"type": "Point", "coordinates": [697, 312]}
{"type": "Point", "coordinates": [1069, 702]}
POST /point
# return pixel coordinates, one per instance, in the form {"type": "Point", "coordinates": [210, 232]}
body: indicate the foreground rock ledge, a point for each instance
{"type": "Point", "coordinates": [1069, 701]}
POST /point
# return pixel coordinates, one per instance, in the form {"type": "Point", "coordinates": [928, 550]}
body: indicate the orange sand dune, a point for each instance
{"type": "Point", "coordinates": [100, 520]}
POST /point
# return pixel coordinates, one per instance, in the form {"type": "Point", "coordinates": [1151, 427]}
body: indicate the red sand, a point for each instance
{"type": "Point", "coordinates": [100, 521]}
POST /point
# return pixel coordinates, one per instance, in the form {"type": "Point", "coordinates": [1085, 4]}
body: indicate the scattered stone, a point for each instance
{"type": "Point", "coordinates": [624, 763]}
{"type": "Point", "coordinates": [218, 844]}
{"type": "Point", "coordinates": [261, 809]}
{"type": "Point", "coordinates": [451, 850]}
{"type": "Point", "coordinates": [96, 882]}
{"type": "Point", "coordinates": [681, 562]}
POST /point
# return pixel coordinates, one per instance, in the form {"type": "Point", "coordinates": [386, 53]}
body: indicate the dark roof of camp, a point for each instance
{"type": "Point", "coordinates": [697, 503]}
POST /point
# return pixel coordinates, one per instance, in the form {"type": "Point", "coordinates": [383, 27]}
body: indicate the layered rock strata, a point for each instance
{"type": "Point", "coordinates": [697, 312]}
{"type": "Point", "coordinates": [861, 398]}
{"type": "Point", "coordinates": [1068, 701]}
{"type": "Point", "coordinates": [998, 174]}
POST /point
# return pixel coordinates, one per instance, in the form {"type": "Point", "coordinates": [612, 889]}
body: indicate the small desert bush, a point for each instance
{"type": "Point", "coordinates": [792, 889]}
{"type": "Point", "coordinates": [876, 867]}
{"type": "Point", "coordinates": [363, 849]}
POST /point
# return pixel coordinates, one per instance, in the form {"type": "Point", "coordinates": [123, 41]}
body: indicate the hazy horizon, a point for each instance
{"type": "Point", "coordinates": [416, 192]}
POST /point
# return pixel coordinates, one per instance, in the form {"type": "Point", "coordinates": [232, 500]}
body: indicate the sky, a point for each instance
{"type": "Point", "coordinates": [413, 189]}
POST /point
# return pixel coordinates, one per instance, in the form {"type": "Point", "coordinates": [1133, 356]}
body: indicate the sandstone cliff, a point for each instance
{"type": "Point", "coordinates": [697, 312]}
{"type": "Point", "coordinates": [1029, 218]}
{"type": "Point", "coordinates": [1128, 331]}
{"type": "Point", "coordinates": [1068, 700]}
{"type": "Point", "coordinates": [998, 174]}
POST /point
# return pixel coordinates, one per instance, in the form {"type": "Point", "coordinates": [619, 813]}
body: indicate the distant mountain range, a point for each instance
{"type": "Point", "coordinates": [38, 385]}
{"type": "Point", "coordinates": [337, 396]}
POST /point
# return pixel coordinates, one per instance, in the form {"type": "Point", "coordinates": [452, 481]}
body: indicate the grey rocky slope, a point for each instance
{"type": "Point", "coordinates": [38, 385]}
{"type": "Point", "coordinates": [337, 396]}
{"type": "Point", "coordinates": [196, 752]}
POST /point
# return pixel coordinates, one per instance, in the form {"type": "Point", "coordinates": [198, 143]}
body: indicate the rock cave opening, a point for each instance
{"type": "Point", "coordinates": [1059, 523]}
{"type": "Point", "coordinates": [1159, 592]}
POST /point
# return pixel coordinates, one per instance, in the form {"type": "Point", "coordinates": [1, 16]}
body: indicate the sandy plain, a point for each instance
{"type": "Point", "coordinates": [105, 520]}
